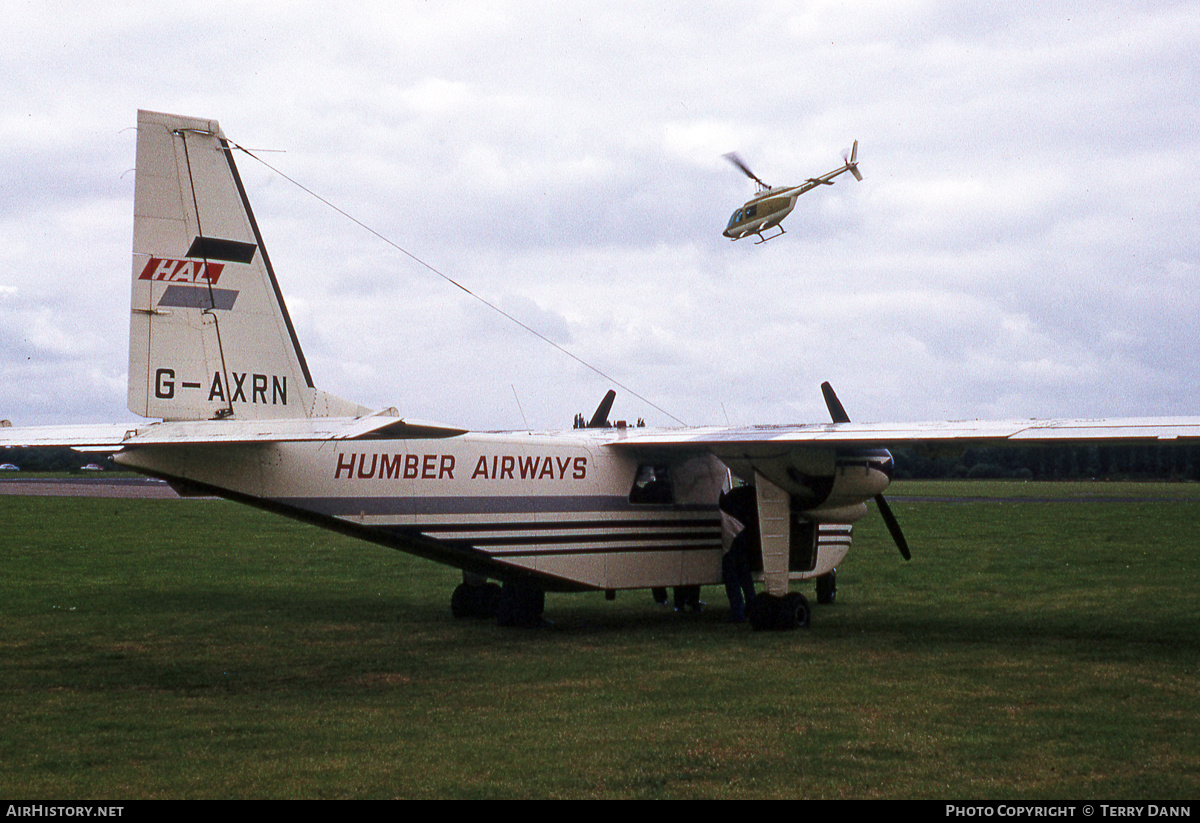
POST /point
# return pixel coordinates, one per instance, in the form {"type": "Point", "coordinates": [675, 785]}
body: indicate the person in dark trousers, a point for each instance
{"type": "Point", "coordinates": [740, 506]}
{"type": "Point", "coordinates": [735, 573]}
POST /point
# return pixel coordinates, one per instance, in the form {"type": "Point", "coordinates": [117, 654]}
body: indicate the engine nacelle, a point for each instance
{"type": "Point", "coordinates": [820, 534]}
{"type": "Point", "coordinates": [856, 479]}
{"type": "Point", "coordinates": [805, 504]}
{"type": "Point", "coordinates": [821, 481]}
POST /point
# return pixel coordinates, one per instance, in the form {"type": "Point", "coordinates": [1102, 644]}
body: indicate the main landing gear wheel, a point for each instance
{"type": "Point", "coordinates": [475, 600]}
{"type": "Point", "coordinates": [797, 614]}
{"type": "Point", "coordinates": [521, 605]}
{"type": "Point", "coordinates": [827, 588]}
{"type": "Point", "coordinates": [766, 612]}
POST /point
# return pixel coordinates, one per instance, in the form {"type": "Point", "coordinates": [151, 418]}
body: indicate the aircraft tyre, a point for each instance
{"type": "Point", "coordinates": [759, 611]}
{"type": "Point", "coordinates": [796, 611]}
{"type": "Point", "coordinates": [766, 612]}
{"type": "Point", "coordinates": [473, 600]}
{"type": "Point", "coordinates": [521, 605]}
{"type": "Point", "coordinates": [827, 588]}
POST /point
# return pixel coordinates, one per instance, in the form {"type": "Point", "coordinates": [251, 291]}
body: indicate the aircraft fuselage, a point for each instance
{"type": "Point", "coordinates": [761, 213]}
{"type": "Point", "coordinates": [569, 509]}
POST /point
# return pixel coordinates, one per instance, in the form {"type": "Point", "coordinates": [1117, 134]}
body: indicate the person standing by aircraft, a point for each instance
{"type": "Point", "coordinates": [739, 519]}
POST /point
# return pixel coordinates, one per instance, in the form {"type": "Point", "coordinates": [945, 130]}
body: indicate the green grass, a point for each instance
{"type": "Point", "coordinates": [192, 648]}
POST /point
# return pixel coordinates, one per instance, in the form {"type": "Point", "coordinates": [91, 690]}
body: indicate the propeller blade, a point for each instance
{"type": "Point", "coordinates": [836, 411]}
{"type": "Point", "coordinates": [893, 526]}
{"type": "Point", "coordinates": [600, 418]}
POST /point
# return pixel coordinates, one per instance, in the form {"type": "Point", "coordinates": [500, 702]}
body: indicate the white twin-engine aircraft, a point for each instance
{"type": "Point", "coordinates": [214, 356]}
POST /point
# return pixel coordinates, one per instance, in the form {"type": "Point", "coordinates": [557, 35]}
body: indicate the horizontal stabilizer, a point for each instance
{"type": "Point", "coordinates": [88, 437]}
{"type": "Point", "coordinates": [196, 432]}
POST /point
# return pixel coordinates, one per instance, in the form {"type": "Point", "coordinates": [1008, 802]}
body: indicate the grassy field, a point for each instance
{"type": "Point", "coordinates": [195, 648]}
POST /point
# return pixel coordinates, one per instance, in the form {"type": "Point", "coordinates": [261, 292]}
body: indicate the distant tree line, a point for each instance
{"type": "Point", "coordinates": [1144, 462]}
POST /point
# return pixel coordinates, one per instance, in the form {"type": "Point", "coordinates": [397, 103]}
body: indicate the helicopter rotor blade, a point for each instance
{"type": "Point", "coordinates": [732, 157]}
{"type": "Point", "coordinates": [838, 413]}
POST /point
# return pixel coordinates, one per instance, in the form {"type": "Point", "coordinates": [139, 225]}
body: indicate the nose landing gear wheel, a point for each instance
{"type": "Point", "coordinates": [827, 588]}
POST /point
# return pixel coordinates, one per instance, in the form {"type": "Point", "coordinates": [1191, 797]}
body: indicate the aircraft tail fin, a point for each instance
{"type": "Point", "coordinates": [852, 162]}
{"type": "Point", "coordinates": [209, 333]}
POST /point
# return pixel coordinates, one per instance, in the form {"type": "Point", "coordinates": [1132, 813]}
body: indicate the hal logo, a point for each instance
{"type": "Point", "coordinates": [191, 283]}
{"type": "Point", "coordinates": [181, 271]}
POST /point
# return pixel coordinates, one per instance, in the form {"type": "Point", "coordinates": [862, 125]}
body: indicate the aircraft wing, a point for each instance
{"type": "Point", "coordinates": [764, 440]}
{"type": "Point", "coordinates": [109, 437]}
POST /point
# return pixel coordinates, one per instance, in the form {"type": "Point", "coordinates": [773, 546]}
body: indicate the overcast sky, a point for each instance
{"type": "Point", "coordinates": [1024, 243]}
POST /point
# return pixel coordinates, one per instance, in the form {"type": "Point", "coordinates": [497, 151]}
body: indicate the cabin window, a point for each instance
{"type": "Point", "coordinates": [652, 484]}
{"type": "Point", "coordinates": [751, 211]}
{"type": "Point", "coordinates": [737, 215]}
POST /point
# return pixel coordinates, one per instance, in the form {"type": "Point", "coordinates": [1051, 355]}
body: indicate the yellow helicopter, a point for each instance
{"type": "Point", "coordinates": [767, 208]}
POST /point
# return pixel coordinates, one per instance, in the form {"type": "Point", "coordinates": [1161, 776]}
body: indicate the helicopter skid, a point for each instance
{"type": "Point", "coordinates": [761, 239]}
